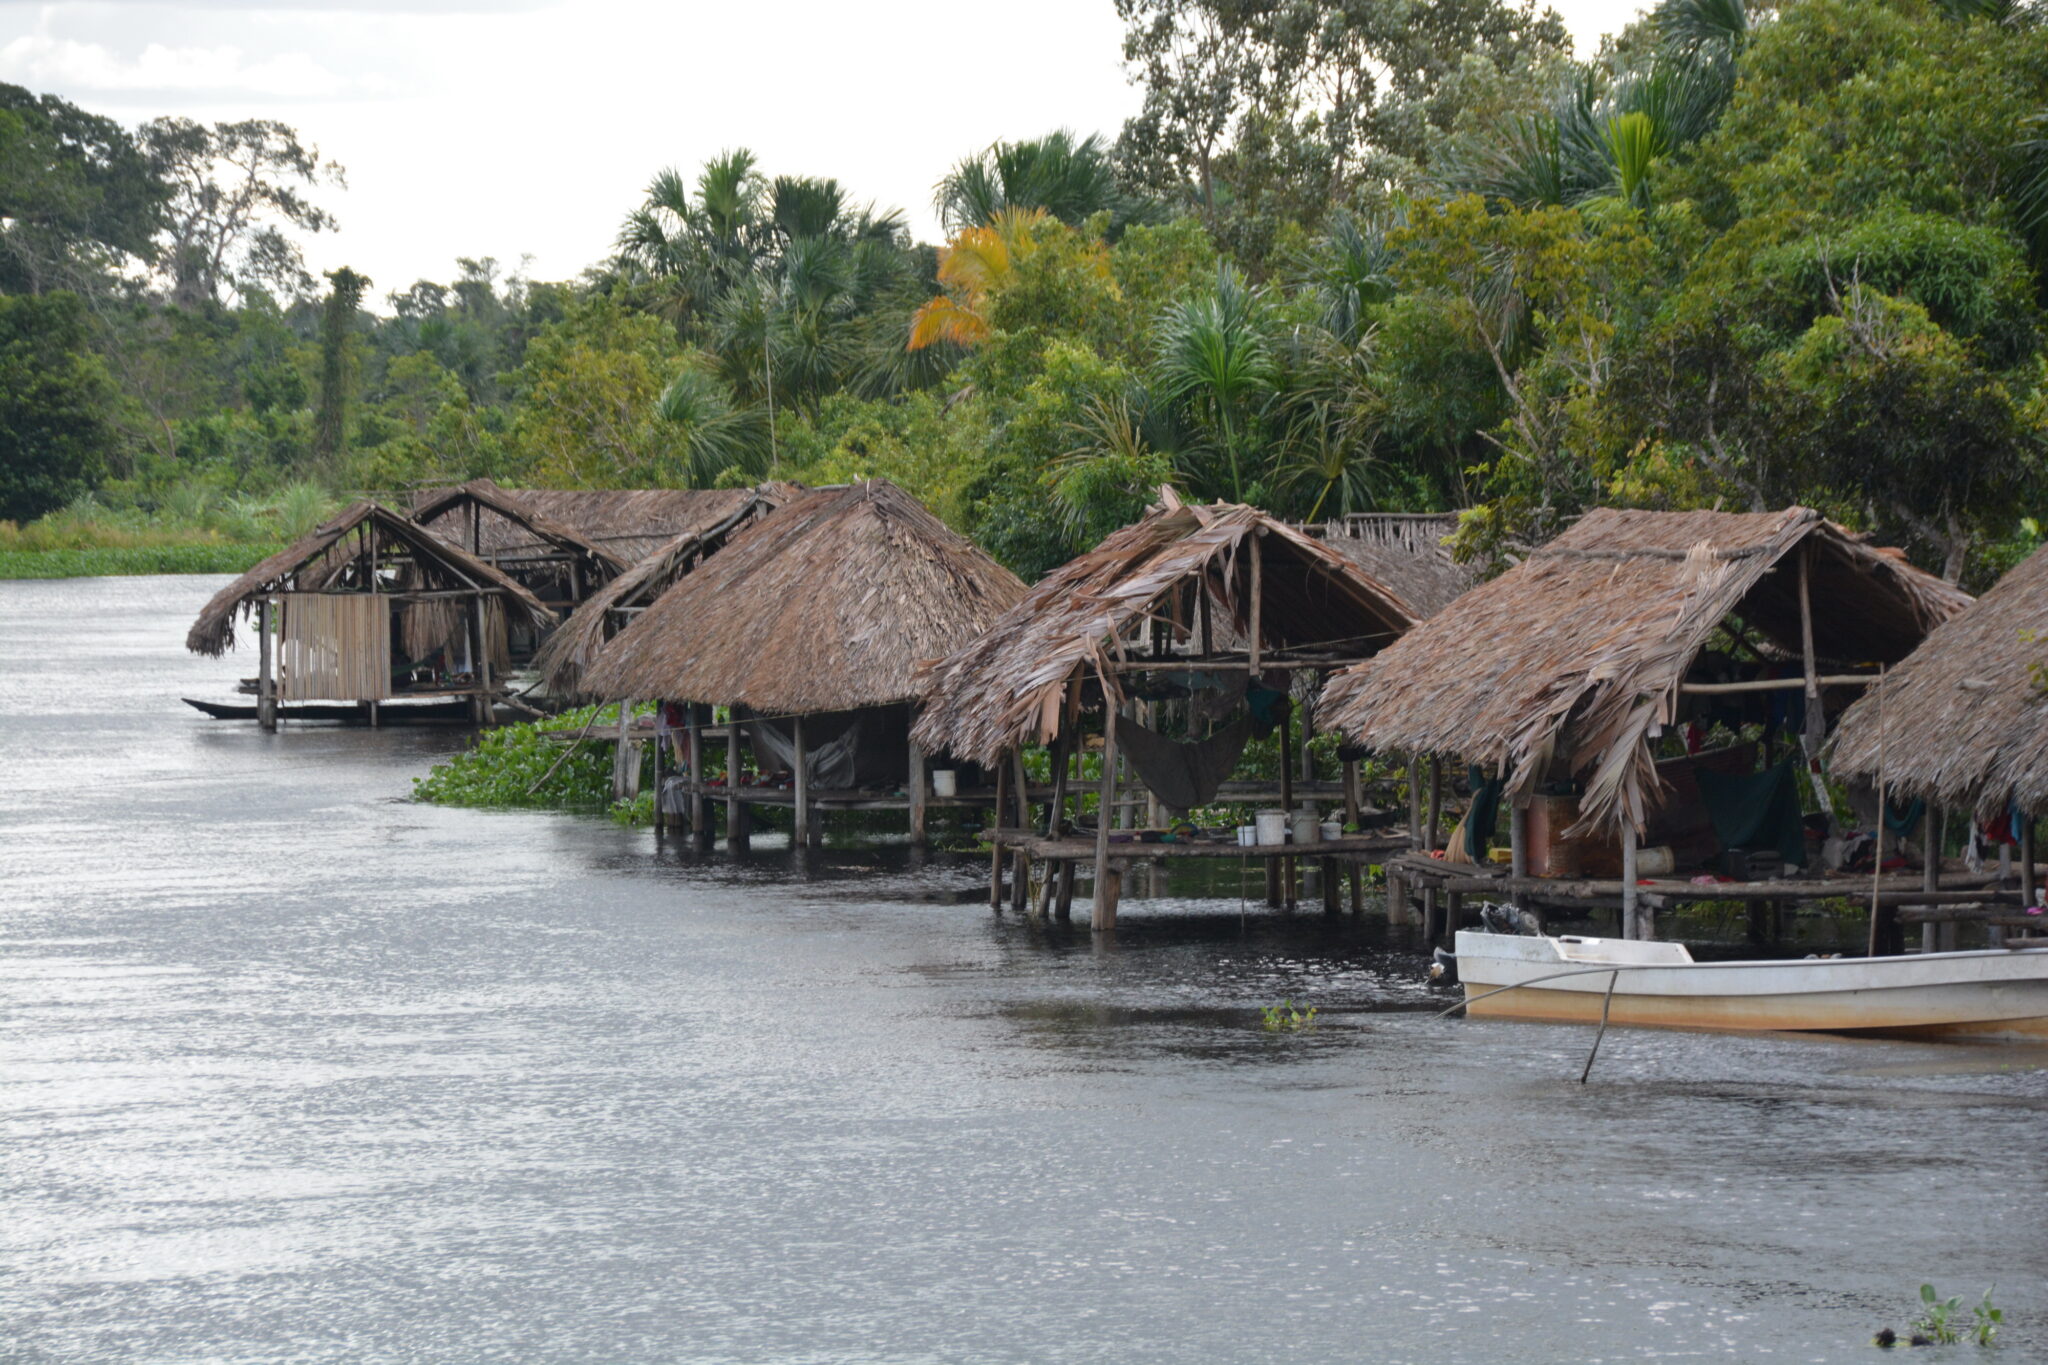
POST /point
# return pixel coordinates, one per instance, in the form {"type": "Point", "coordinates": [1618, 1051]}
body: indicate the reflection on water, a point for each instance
{"type": "Point", "coordinates": [296, 1070]}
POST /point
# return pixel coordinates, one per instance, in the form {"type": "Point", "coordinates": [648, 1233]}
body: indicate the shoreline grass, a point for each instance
{"type": "Point", "coordinates": [107, 561]}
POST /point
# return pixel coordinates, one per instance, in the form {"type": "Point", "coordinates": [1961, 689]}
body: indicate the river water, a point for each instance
{"type": "Point", "coordinates": [294, 1070]}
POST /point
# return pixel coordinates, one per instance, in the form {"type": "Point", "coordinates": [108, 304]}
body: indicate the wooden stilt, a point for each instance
{"type": "Point", "coordinates": [700, 805]}
{"type": "Point", "coordinates": [916, 787]}
{"type": "Point", "coordinates": [1433, 825]}
{"type": "Point", "coordinates": [266, 681]}
{"type": "Point", "coordinates": [1104, 917]}
{"type": "Point", "coordinates": [1930, 875]}
{"type": "Point", "coordinates": [1063, 903]}
{"type": "Point", "coordinates": [1454, 913]}
{"type": "Point", "coordinates": [1630, 896]}
{"type": "Point", "coordinates": [1333, 900]}
{"type": "Point", "coordinates": [995, 826]}
{"type": "Point", "coordinates": [2029, 886]}
{"type": "Point", "coordinates": [1287, 884]}
{"type": "Point", "coordinates": [738, 819]}
{"type": "Point", "coordinates": [1353, 870]}
{"type": "Point", "coordinates": [1020, 873]}
{"type": "Point", "coordinates": [805, 835]}
{"type": "Point", "coordinates": [660, 820]}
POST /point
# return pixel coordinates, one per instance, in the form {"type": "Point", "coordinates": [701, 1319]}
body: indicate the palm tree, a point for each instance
{"type": "Point", "coordinates": [1068, 179]}
{"type": "Point", "coordinates": [973, 266]}
{"type": "Point", "coordinates": [713, 433]}
{"type": "Point", "coordinates": [1215, 356]}
{"type": "Point", "coordinates": [698, 246]}
{"type": "Point", "coordinates": [1350, 271]}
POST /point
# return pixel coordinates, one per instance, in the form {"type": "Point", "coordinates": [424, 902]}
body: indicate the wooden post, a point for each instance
{"type": "Point", "coordinates": [1415, 802]}
{"type": "Point", "coordinates": [1630, 911]}
{"type": "Point", "coordinates": [1351, 804]}
{"type": "Point", "coordinates": [266, 683]}
{"type": "Point", "coordinates": [1104, 917]}
{"type": "Point", "coordinates": [1063, 903]}
{"type": "Point", "coordinates": [737, 817]}
{"type": "Point", "coordinates": [694, 738]}
{"type": "Point", "coordinates": [1020, 872]}
{"type": "Point", "coordinates": [1930, 876]}
{"type": "Point", "coordinates": [1436, 803]}
{"type": "Point", "coordinates": [804, 835]}
{"type": "Point", "coordinates": [917, 789]}
{"type": "Point", "coordinates": [1518, 842]}
{"type": "Point", "coordinates": [1257, 594]}
{"type": "Point", "coordinates": [479, 704]}
{"type": "Point", "coordinates": [660, 775]}
{"type": "Point", "coordinates": [2028, 884]}
{"type": "Point", "coordinates": [1332, 896]}
{"type": "Point", "coordinates": [995, 830]}
{"type": "Point", "coordinates": [619, 752]}
{"type": "Point", "coordinates": [1287, 892]}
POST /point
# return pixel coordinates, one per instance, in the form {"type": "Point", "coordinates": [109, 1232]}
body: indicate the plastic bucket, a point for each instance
{"type": "Point", "coordinates": [1307, 828]}
{"type": "Point", "coordinates": [1332, 830]}
{"type": "Point", "coordinates": [1655, 862]}
{"type": "Point", "coordinates": [944, 783]}
{"type": "Point", "coordinates": [1247, 835]}
{"type": "Point", "coordinates": [1271, 825]}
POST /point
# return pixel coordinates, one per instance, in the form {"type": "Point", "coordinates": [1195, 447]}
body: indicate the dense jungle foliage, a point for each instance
{"type": "Point", "coordinates": [1348, 256]}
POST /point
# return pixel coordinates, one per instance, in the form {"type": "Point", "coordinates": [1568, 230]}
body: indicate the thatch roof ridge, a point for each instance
{"type": "Point", "coordinates": [486, 492]}
{"type": "Point", "coordinates": [1581, 647]}
{"type": "Point", "coordinates": [827, 604]}
{"type": "Point", "coordinates": [1006, 688]}
{"type": "Point", "coordinates": [571, 648]}
{"type": "Point", "coordinates": [213, 633]}
{"type": "Point", "coordinates": [1963, 721]}
{"type": "Point", "coordinates": [1404, 550]}
{"type": "Point", "coordinates": [630, 523]}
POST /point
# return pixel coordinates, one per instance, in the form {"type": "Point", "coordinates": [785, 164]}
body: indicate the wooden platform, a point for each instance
{"type": "Point", "coordinates": [1081, 848]}
{"type": "Point", "coordinates": [1485, 879]}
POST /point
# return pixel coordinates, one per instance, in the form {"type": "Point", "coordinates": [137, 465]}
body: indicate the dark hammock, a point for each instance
{"type": "Point", "coordinates": [1183, 775]}
{"type": "Point", "coordinates": [1482, 814]}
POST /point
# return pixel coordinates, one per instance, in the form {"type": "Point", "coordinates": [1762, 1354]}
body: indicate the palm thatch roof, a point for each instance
{"type": "Point", "coordinates": [334, 557]}
{"type": "Point", "coordinates": [629, 523]}
{"type": "Point", "coordinates": [1405, 551]}
{"type": "Point", "coordinates": [1963, 721]}
{"type": "Point", "coordinates": [1008, 688]}
{"type": "Point", "coordinates": [1569, 658]}
{"type": "Point", "coordinates": [574, 646]}
{"type": "Point", "coordinates": [512, 525]}
{"type": "Point", "coordinates": [828, 604]}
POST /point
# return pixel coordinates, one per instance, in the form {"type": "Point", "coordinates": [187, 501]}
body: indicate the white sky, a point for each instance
{"type": "Point", "coordinates": [519, 127]}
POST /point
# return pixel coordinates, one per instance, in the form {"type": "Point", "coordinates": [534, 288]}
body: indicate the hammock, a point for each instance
{"type": "Point", "coordinates": [1183, 775]}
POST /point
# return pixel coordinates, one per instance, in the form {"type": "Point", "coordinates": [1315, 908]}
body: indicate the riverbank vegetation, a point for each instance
{"type": "Point", "coordinates": [1743, 255]}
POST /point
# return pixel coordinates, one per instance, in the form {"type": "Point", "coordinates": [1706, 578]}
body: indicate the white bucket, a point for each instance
{"type": "Point", "coordinates": [1333, 830]}
{"type": "Point", "coordinates": [1247, 835]}
{"type": "Point", "coordinates": [1307, 828]}
{"type": "Point", "coordinates": [1271, 825]}
{"type": "Point", "coordinates": [1655, 862]}
{"type": "Point", "coordinates": [943, 783]}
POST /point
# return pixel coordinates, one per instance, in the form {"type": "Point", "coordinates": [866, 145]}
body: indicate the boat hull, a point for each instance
{"type": "Point", "coordinates": [1988, 994]}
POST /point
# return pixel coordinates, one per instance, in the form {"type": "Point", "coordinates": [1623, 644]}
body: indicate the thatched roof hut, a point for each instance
{"type": "Point", "coordinates": [504, 527]}
{"type": "Point", "coordinates": [627, 523]}
{"type": "Point", "coordinates": [1566, 663]}
{"type": "Point", "coordinates": [1405, 551]}
{"type": "Point", "coordinates": [828, 604]}
{"type": "Point", "coordinates": [1183, 566]}
{"type": "Point", "coordinates": [575, 644]}
{"type": "Point", "coordinates": [338, 557]}
{"type": "Point", "coordinates": [1963, 721]}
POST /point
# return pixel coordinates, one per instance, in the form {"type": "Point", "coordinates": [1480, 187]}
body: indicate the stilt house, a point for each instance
{"type": "Point", "coordinates": [810, 626]}
{"type": "Point", "coordinates": [372, 608]}
{"type": "Point", "coordinates": [1167, 645]}
{"type": "Point", "coordinates": [1569, 680]}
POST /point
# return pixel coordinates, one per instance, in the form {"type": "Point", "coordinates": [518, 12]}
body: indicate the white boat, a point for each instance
{"type": "Point", "coordinates": [1993, 993]}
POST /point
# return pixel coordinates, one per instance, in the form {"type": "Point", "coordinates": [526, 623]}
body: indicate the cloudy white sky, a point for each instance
{"type": "Point", "coordinates": [514, 128]}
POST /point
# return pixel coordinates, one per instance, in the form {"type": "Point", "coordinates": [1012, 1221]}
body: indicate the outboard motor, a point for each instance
{"type": "Point", "coordinates": [1508, 919]}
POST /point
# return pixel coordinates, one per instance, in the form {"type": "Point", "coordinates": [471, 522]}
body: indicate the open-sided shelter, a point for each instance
{"type": "Point", "coordinates": [1204, 613]}
{"type": "Point", "coordinates": [1561, 674]}
{"type": "Point", "coordinates": [574, 645]}
{"type": "Point", "coordinates": [810, 625]}
{"type": "Point", "coordinates": [369, 608]}
{"type": "Point", "coordinates": [1962, 722]}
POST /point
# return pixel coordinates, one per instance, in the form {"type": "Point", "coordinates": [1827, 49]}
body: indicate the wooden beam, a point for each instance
{"type": "Point", "coordinates": [995, 819]}
{"type": "Point", "coordinates": [266, 681]}
{"type": "Point", "coordinates": [1258, 595]}
{"type": "Point", "coordinates": [1631, 909]}
{"type": "Point", "coordinates": [1778, 684]}
{"type": "Point", "coordinates": [699, 824]}
{"type": "Point", "coordinates": [737, 834]}
{"type": "Point", "coordinates": [917, 790]}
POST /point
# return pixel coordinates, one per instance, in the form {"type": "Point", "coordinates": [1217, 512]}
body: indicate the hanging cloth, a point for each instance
{"type": "Point", "coordinates": [1183, 775]}
{"type": "Point", "coordinates": [1899, 819]}
{"type": "Point", "coordinates": [1756, 810]}
{"type": "Point", "coordinates": [1481, 816]}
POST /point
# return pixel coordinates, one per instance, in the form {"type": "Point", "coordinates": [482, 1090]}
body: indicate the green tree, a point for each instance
{"type": "Point", "coordinates": [337, 360]}
{"type": "Point", "coordinates": [54, 399]}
